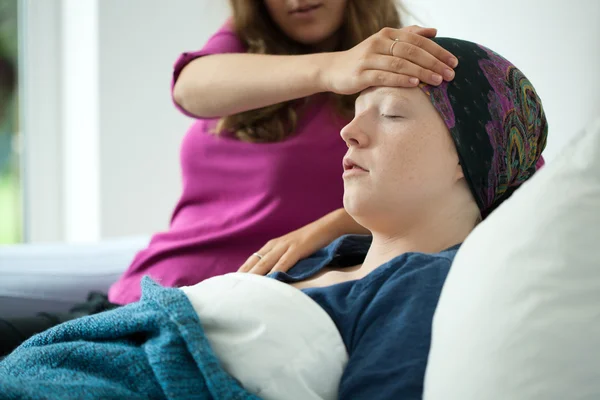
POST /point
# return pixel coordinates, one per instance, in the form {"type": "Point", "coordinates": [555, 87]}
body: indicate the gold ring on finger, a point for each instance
{"type": "Point", "coordinates": [392, 46]}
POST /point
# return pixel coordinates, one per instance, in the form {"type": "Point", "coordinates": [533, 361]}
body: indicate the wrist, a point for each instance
{"type": "Point", "coordinates": [318, 65]}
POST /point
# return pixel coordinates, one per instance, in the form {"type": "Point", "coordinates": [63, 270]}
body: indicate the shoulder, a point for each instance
{"type": "Point", "coordinates": [418, 260]}
{"type": "Point", "coordinates": [416, 269]}
{"type": "Point", "coordinates": [224, 40]}
{"type": "Point", "coordinates": [227, 28]}
{"type": "Point", "coordinates": [390, 342]}
{"type": "Point", "coordinates": [441, 259]}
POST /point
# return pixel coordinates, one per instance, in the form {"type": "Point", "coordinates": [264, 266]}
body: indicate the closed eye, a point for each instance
{"type": "Point", "coordinates": [388, 116]}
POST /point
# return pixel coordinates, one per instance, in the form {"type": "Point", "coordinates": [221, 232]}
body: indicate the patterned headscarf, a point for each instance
{"type": "Point", "coordinates": [495, 118]}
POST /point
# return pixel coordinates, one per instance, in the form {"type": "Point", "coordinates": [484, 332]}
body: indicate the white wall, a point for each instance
{"type": "Point", "coordinates": [137, 137]}
{"type": "Point", "coordinates": [79, 120]}
{"type": "Point", "coordinates": [101, 134]}
{"type": "Point", "coordinates": [140, 130]}
{"type": "Point", "coordinates": [555, 43]}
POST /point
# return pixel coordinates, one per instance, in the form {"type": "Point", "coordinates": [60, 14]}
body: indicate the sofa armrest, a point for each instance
{"type": "Point", "coordinates": [54, 277]}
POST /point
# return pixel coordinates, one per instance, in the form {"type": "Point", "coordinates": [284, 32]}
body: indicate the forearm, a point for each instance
{"type": "Point", "coordinates": [226, 84]}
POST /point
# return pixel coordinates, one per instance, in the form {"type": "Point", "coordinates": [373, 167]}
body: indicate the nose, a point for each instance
{"type": "Point", "coordinates": [354, 134]}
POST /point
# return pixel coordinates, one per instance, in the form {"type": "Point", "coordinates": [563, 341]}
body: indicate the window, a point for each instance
{"type": "Point", "coordinates": [10, 182]}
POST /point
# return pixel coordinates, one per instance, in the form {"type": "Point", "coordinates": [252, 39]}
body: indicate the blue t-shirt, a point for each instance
{"type": "Point", "coordinates": [384, 318]}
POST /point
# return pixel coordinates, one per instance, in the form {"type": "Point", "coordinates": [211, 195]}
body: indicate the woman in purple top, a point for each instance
{"type": "Point", "coordinates": [271, 91]}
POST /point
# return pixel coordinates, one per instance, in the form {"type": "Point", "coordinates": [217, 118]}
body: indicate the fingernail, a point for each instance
{"type": "Point", "coordinates": [453, 62]}
{"type": "Point", "coordinates": [436, 78]}
{"type": "Point", "coordinates": [448, 73]}
{"type": "Point", "coordinates": [413, 81]}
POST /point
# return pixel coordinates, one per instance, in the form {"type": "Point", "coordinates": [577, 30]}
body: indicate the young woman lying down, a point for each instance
{"type": "Point", "coordinates": [353, 321]}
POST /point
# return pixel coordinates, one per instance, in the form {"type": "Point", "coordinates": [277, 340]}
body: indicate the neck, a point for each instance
{"type": "Point", "coordinates": [327, 45]}
{"type": "Point", "coordinates": [432, 234]}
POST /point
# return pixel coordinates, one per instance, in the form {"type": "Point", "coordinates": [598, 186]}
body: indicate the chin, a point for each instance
{"type": "Point", "coordinates": [361, 216]}
{"type": "Point", "coordinates": [354, 206]}
{"type": "Point", "coordinates": [365, 207]}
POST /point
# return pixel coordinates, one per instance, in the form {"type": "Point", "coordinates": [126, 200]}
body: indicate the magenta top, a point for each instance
{"type": "Point", "coordinates": [238, 195]}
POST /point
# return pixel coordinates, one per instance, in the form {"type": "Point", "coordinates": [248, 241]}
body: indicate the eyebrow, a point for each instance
{"type": "Point", "coordinates": [389, 92]}
{"type": "Point", "coordinates": [384, 93]}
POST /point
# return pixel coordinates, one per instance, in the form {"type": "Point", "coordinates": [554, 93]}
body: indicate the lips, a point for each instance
{"type": "Point", "coordinates": [305, 8]}
{"type": "Point", "coordinates": [350, 164]}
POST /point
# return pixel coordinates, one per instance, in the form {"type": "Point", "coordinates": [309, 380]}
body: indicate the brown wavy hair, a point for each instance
{"type": "Point", "coordinates": [259, 33]}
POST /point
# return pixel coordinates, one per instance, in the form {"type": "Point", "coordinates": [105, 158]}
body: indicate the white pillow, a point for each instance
{"type": "Point", "coordinates": [274, 339]}
{"type": "Point", "coordinates": [519, 315]}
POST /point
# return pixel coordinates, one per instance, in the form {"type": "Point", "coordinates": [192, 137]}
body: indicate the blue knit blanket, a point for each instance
{"type": "Point", "coordinates": [152, 349]}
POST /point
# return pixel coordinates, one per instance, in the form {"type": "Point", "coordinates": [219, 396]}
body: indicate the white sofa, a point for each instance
{"type": "Point", "coordinates": [54, 277]}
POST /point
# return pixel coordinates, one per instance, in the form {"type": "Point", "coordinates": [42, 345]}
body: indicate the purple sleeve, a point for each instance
{"type": "Point", "coordinates": [223, 41]}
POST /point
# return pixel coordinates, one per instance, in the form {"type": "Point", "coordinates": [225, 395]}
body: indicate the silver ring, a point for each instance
{"type": "Point", "coordinates": [260, 257]}
{"type": "Point", "coordinates": [392, 46]}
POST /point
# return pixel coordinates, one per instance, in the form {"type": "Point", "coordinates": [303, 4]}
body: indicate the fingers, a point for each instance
{"type": "Point", "coordinates": [428, 65]}
{"type": "Point", "coordinates": [383, 78]}
{"type": "Point", "coordinates": [429, 69]}
{"type": "Point", "coordinates": [419, 30]}
{"type": "Point", "coordinates": [419, 50]}
{"type": "Point", "coordinates": [253, 259]}
{"type": "Point", "coordinates": [250, 262]}
{"type": "Point", "coordinates": [431, 47]}
{"type": "Point", "coordinates": [277, 259]}
{"type": "Point", "coordinates": [266, 264]}
{"type": "Point", "coordinates": [286, 262]}
{"type": "Point", "coordinates": [403, 67]}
